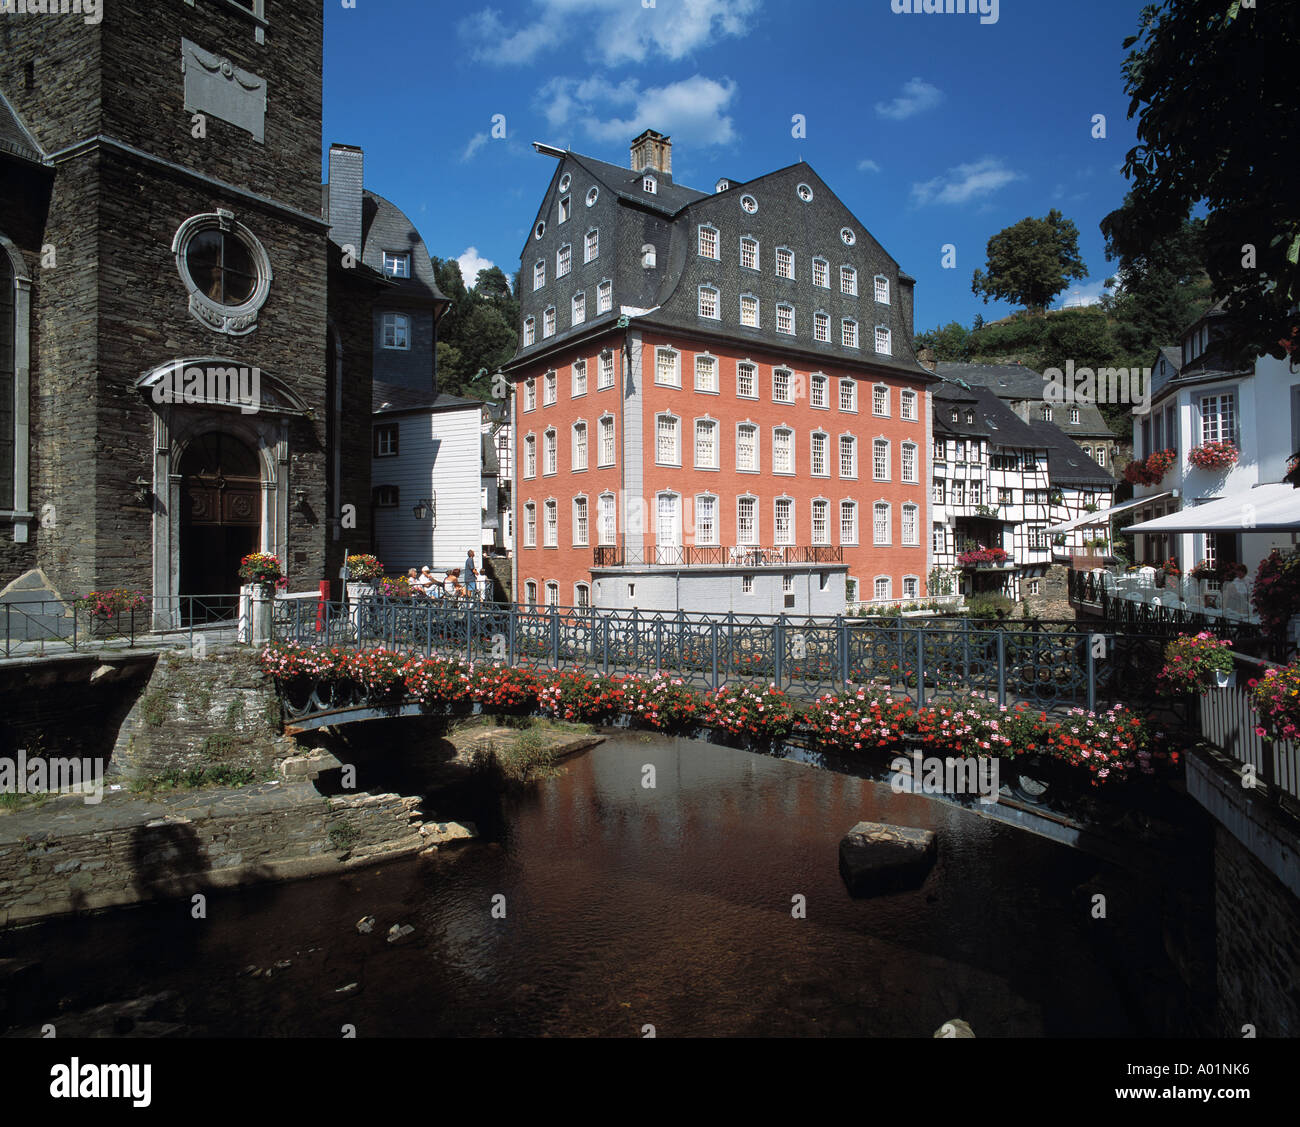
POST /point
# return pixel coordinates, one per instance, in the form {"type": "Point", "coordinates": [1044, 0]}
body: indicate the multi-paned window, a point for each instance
{"type": "Point", "coordinates": [550, 447]}
{"type": "Point", "coordinates": [706, 519]}
{"type": "Point", "coordinates": [782, 385]}
{"type": "Point", "coordinates": [552, 526]}
{"type": "Point", "coordinates": [1219, 417]}
{"type": "Point", "coordinates": [784, 262]}
{"type": "Point", "coordinates": [907, 405]}
{"type": "Point", "coordinates": [784, 520]}
{"type": "Point", "coordinates": [608, 518]}
{"type": "Point", "coordinates": [749, 310]}
{"type": "Point", "coordinates": [606, 377]}
{"type": "Point", "coordinates": [530, 525]}
{"type": "Point", "coordinates": [539, 274]}
{"type": "Point", "coordinates": [552, 593]}
{"type": "Point", "coordinates": [579, 308]}
{"type": "Point", "coordinates": [709, 242]}
{"type": "Point", "coordinates": [940, 491]}
{"type": "Point", "coordinates": [848, 395]}
{"type": "Point", "coordinates": [819, 390]}
{"type": "Point", "coordinates": [783, 450]}
{"type": "Point", "coordinates": [386, 441]}
{"type": "Point", "coordinates": [582, 596]}
{"type": "Point", "coordinates": [849, 281]}
{"type": "Point", "coordinates": [530, 455]}
{"type": "Point", "coordinates": [580, 530]}
{"type": "Point", "coordinates": [911, 587]}
{"type": "Point", "coordinates": [849, 333]}
{"type": "Point", "coordinates": [550, 389]}
{"type": "Point", "coordinates": [530, 394]}
{"type": "Point", "coordinates": [880, 459]}
{"type": "Point", "coordinates": [530, 589]}
{"type": "Point", "coordinates": [911, 532]}
{"type": "Point", "coordinates": [880, 400]}
{"type": "Point", "coordinates": [668, 440]}
{"type": "Point", "coordinates": [880, 525]}
{"type": "Point", "coordinates": [579, 378]}
{"type": "Point", "coordinates": [706, 444]}
{"type": "Point", "coordinates": [747, 520]}
{"type": "Point", "coordinates": [882, 289]}
{"type": "Point", "coordinates": [607, 441]}
{"type": "Point", "coordinates": [747, 447]}
{"type": "Point", "coordinates": [884, 346]}
{"type": "Point", "coordinates": [1074, 414]}
{"type": "Point", "coordinates": [822, 327]}
{"type": "Point", "coordinates": [397, 264]}
{"type": "Point", "coordinates": [548, 322]}
{"type": "Point", "coordinates": [909, 462]}
{"type": "Point", "coordinates": [563, 260]}
{"type": "Point", "coordinates": [820, 522]}
{"type": "Point", "coordinates": [746, 380]}
{"type": "Point", "coordinates": [604, 297]}
{"type": "Point", "coordinates": [591, 248]}
{"type": "Point", "coordinates": [848, 456]}
{"type": "Point", "coordinates": [530, 330]}
{"type": "Point", "coordinates": [579, 446]}
{"type": "Point", "coordinates": [820, 441]}
{"type": "Point", "coordinates": [397, 331]}
{"type": "Point", "coordinates": [882, 588]}
{"type": "Point", "coordinates": [749, 253]}
{"type": "Point", "coordinates": [821, 273]}
{"type": "Point", "coordinates": [785, 318]}
{"type": "Point", "coordinates": [848, 522]}
{"type": "Point", "coordinates": [706, 373]}
{"type": "Point", "coordinates": [708, 304]}
{"type": "Point", "coordinates": [668, 367]}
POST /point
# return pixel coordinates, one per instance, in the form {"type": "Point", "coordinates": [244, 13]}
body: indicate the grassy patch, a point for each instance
{"type": "Point", "coordinates": [11, 802]}
{"type": "Point", "coordinates": [153, 708]}
{"type": "Point", "coordinates": [195, 778]}
{"type": "Point", "coordinates": [342, 836]}
{"type": "Point", "coordinates": [218, 745]}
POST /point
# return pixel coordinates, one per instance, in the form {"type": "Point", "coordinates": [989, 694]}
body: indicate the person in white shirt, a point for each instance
{"type": "Point", "coordinates": [425, 581]}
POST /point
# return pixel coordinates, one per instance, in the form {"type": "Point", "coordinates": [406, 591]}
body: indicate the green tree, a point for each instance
{"type": "Point", "coordinates": [1030, 262]}
{"type": "Point", "coordinates": [948, 342]}
{"type": "Point", "coordinates": [478, 333]}
{"type": "Point", "coordinates": [1212, 86]}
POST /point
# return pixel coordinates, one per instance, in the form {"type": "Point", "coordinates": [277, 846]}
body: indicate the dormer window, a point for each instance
{"type": "Point", "coordinates": [1047, 413]}
{"type": "Point", "coordinates": [649, 185]}
{"type": "Point", "coordinates": [970, 418]}
{"type": "Point", "coordinates": [722, 185]}
{"type": "Point", "coordinates": [397, 265]}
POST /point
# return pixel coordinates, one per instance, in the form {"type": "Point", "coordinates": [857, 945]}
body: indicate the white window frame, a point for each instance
{"type": "Point", "coordinates": [821, 268]}
{"type": "Point", "coordinates": [710, 384]}
{"type": "Point", "coordinates": [747, 365]}
{"type": "Point", "coordinates": [881, 286]}
{"type": "Point", "coordinates": [788, 373]}
{"type": "Point", "coordinates": [880, 446]}
{"type": "Point", "coordinates": [580, 453]}
{"type": "Point", "coordinates": [877, 538]}
{"type": "Point", "coordinates": [746, 242]}
{"type": "Point", "coordinates": [578, 379]}
{"type": "Point", "coordinates": [907, 405]}
{"type": "Point", "coordinates": [564, 261]}
{"type": "Point", "coordinates": [816, 381]}
{"type": "Point", "coordinates": [822, 327]}
{"type": "Point", "coordinates": [852, 447]}
{"type": "Point", "coordinates": [606, 374]}
{"type": "Point", "coordinates": [888, 349]}
{"type": "Point", "coordinates": [880, 392]}
{"type": "Point", "coordinates": [550, 452]}
{"type": "Point", "coordinates": [397, 328]}
{"type": "Point", "coordinates": [548, 322]}
{"type": "Point", "coordinates": [848, 333]}
{"type": "Point", "coordinates": [819, 439]}
{"type": "Point", "coordinates": [786, 309]}
{"type": "Point", "coordinates": [530, 524]}
{"type": "Point", "coordinates": [530, 331]}
{"type": "Point", "coordinates": [849, 280]}
{"type": "Point", "coordinates": [784, 263]}
{"type": "Point", "coordinates": [710, 302]}
{"type": "Point", "coordinates": [581, 521]}
{"type": "Point", "coordinates": [400, 262]}
{"type": "Point", "coordinates": [756, 518]}
{"type": "Point", "coordinates": [530, 456]}
{"type": "Point", "coordinates": [713, 428]}
{"type": "Point", "coordinates": [714, 238]}
{"type": "Point", "coordinates": [757, 322]}
{"type": "Point", "coordinates": [822, 503]}
{"type": "Point", "coordinates": [789, 538]}
{"type": "Point", "coordinates": [550, 388]}
{"type": "Point", "coordinates": [854, 536]}
{"type": "Point", "coordinates": [605, 426]}
{"type": "Point", "coordinates": [703, 525]}
{"type": "Point", "coordinates": [913, 541]}
{"type": "Point", "coordinates": [792, 461]}
{"type": "Point", "coordinates": [591, 245]}
{"type": "Point", "coordinates": [604, 297]}
{"type": "Point", "coordinates": [675, 455]}
{"type": "Point", "coordinates": [673, 378]}
{"type": "Point", "coordinates": [852, 386]}
{"type": "Point", "coordinates": [909, 476]}
{"type": "Point", "coordinates": [550, 523]}
{"type": "Point", "coordinates": [758, 454]}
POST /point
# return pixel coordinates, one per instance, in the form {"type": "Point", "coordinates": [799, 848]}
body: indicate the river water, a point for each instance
{"type": "Point", "coordinates": [627, 907]}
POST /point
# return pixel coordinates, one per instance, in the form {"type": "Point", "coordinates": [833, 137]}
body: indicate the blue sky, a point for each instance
{"type": "Point", "coordinates": [933, 128]}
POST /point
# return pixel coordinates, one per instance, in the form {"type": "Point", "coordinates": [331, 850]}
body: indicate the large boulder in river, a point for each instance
{"type": "Point", "coordinates": [876, 857]}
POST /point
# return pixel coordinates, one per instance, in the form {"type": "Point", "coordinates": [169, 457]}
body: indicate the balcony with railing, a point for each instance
{"type": "Point", "coordinates": [738, 556]}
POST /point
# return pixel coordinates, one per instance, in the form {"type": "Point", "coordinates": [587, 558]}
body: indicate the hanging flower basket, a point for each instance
{"type": "Point", "coordinates": [1214, 455]}
{"type": "Point", "coordinates": [1152, 470]}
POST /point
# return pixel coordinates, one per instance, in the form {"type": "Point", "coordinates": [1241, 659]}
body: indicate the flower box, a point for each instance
{"type": "Point", "coordinates": [1213, 455]}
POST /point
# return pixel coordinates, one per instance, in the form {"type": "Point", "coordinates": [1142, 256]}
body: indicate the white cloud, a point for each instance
{"type": "Point", "coordinates": [475, 143]}
{"type": "Point", "coordinates": [964, 183]}
{"type": "Point", "coordinates": [625, 31]}
{"type": "Point", "coordinates": [690, 111]}
{"type": "Point", "coordinates": [917, 97]}
{"type": "Point", "coordinates": [471, 262]}
{"type": "Point", "coordinates": [868, 166]}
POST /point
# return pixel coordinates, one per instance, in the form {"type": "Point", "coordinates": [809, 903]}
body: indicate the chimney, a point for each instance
{"type": "Point", "coordinates": [347, 172]}
{"type": "Point", "coordinates": [652, 150]}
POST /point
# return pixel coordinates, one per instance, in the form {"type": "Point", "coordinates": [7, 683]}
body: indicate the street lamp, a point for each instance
{"type": "Point", "coordinates": [427, 507]}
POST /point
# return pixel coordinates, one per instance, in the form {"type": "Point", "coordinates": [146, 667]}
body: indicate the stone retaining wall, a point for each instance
{"type": "Point", "coordinates": [66, 856]}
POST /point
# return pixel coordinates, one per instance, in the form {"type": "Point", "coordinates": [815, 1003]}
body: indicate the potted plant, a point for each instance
{"type": "Point", "coordinates": [1194, 663]}
{"type": "Point", "coordinates": [105, 610]}
{"type": "Point", "coordinates": [1214, 455]}
{"type": "Point", "coordinates": [260, 569]}
{"type": "Point", "coordinates": [982, 557]}
{"type": "Point", "coordinates": [1275, 698]}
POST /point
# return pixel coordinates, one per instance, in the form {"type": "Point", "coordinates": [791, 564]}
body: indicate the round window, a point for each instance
{"type": "Point", "coordinates": [225, 269]}
{"type": "Point", "coordinates": [749, 204]}
{"type": "Point", "coordinates": [540, 229]}
{"type": "Point", "coordinates": [565, 181]}
{"type": "Point", "coordinates": [848, 236]}
{"type": "Point", "coordinates": [805, 193]}
{"type": "Point", "coordinates": [592, 196]}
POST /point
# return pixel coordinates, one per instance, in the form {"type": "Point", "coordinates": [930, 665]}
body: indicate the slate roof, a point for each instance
{"type": "Point", "coordinates": [993, 418]}
{"type": "Point", "coordinates": [666, 295]}
{"type": "Point", "coordinates": [385, 227]}
{"type": "Point", "coordinates": [1067, 464]}
{"type": "Point", "coordinates": [1016, 383]}
{"type": "Point", "coordinates": [15, 137]}
{"type": "Point", "coordinates": [394, 399]}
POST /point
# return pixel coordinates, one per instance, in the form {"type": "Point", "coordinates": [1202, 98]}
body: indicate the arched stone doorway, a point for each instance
{"type": "Point", "coordinates": [221, 512]}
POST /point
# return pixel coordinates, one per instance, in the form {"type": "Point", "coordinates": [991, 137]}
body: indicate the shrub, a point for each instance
{"type": "Point", "coordinates": [990, 604]}
{"type": "Point", "coordinates": [761, 713]}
